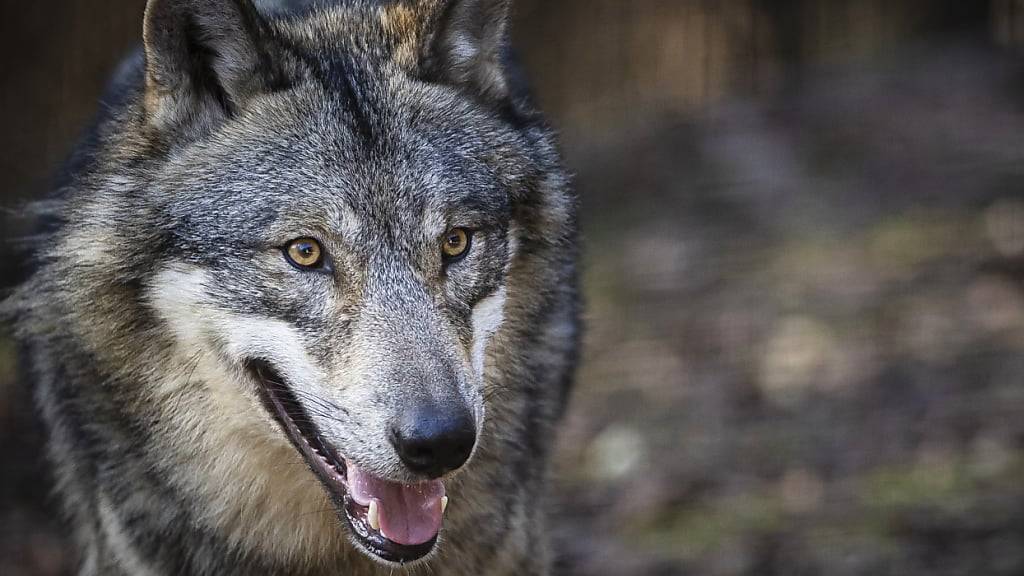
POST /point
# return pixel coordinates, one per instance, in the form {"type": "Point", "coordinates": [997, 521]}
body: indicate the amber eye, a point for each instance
{"type": "Point", "coordinates": [455, 244]}
{"type": "Point", "coordinates": [305, 253]}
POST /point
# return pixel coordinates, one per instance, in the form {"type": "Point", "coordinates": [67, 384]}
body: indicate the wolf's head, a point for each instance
{"type": "Point", "coordinates": [324, 220]}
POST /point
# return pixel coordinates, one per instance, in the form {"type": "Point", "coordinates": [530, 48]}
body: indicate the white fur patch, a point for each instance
{"type": "Point", "coordinates": [228, 454]}
{"type": "Point", "coordinates": [513, 246]}
{"type": "Point", "coordinates": [488, 316]}
{"type": "Point", "coordinates": [179, 296]}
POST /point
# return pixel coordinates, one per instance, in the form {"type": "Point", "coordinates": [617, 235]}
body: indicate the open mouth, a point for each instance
{"type": "Point", "coordinates": [396, 522]}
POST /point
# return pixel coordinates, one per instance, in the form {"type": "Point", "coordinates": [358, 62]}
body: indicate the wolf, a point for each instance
{"type": "Point", "coordinates": [308, 301]}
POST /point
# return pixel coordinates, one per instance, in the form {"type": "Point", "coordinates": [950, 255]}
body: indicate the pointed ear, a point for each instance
{"type": "Point", "coordinates": [469, 43]}
{"type": "Point", "coordinates": [204, 60]}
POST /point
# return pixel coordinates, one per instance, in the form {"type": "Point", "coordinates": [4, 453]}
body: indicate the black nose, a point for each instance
{"type": "Point", "coordinates": [434, 441]}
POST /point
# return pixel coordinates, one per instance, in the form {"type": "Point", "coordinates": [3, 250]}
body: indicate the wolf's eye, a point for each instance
{"type": "Point", "coordinates": [305, 253]}
{"type": "Point", "coordinates": [455, 244]}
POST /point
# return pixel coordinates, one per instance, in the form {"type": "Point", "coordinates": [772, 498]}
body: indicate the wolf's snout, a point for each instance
{"type": "Point", "coordinates": [433, 441]}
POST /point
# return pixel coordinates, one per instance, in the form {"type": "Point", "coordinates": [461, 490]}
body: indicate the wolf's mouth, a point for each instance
{"type": "Point", "coordinates": [410, 514]}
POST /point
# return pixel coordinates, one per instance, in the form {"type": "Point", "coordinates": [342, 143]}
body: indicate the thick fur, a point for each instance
{"type": "Point", "coordinates": [373, 127]}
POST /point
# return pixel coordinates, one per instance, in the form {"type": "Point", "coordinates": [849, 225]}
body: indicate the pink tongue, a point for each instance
{"type": "Point", "coordinates": [410, 514]}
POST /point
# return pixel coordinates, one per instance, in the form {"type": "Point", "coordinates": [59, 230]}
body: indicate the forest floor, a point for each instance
{"type": "Point", "coordinates": [805, 351]}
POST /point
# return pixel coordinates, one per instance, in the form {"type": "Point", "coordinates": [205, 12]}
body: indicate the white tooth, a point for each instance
{"type": "Point", "coordinates": [374, 516]}
{"type": "Point", "coordinates": [444, 504]}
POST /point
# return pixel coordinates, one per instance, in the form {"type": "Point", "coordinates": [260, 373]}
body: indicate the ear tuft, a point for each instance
{"type": "Point", "coordinates": [470, 42]}
{"type": "Point", "coordinates": [204, 60]}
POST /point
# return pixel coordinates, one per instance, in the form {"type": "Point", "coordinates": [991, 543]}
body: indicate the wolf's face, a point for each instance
{"type": "Point", "coordinates": [357, 288]}
{"type": "Point", "coordinates": [336, 207]}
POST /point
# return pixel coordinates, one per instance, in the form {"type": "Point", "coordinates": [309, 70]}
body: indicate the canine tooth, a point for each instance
{"type": "Point", "coordinates": [373, 516]}
{"type": "Point", "coordinates": [444, 504]}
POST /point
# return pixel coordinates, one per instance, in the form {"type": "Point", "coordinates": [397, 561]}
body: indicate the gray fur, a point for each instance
{"type": "Point", "coordinates": [373, 127]}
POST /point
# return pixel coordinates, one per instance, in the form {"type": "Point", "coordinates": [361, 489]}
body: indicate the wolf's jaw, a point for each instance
{"type": "Point", "coordinates": [415, 534]}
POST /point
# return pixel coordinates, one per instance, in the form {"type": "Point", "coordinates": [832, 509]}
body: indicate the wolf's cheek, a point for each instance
{"type": "Point", "coordinates": [181, 298]}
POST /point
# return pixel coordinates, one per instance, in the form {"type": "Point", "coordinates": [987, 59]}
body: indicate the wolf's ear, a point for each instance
{"type": "Point", "coordinates": [204, 60]}
{"type": "Point", "coordinates": [468, 44]}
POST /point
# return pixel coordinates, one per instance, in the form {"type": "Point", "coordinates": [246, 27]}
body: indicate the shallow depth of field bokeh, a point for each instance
{"type": "Point", "coordinates": [804, 273]}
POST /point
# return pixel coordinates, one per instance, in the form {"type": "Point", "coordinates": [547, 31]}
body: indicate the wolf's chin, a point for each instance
{"type": "Point", "coordinates": [360, 505]}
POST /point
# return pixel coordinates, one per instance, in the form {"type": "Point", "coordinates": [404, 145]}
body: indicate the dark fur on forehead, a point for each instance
{"type": "Point", "coordinates": [458, 42]}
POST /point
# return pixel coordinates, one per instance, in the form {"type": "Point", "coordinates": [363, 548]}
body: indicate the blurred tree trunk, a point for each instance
{"type": "Point", "coordinates": [55, 56]}
{"type": "Point", "coordinates": [1007, 17]}
{"type": "Point", "coordinates": [599, 63]}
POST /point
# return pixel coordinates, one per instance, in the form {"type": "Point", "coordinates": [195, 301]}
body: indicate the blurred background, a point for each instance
{"type": "Point", "coordinates": [804, 270]}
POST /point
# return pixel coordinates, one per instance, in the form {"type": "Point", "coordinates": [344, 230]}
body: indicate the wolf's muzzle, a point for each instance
{"type": "Point", "coordinates": [395, 521]}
